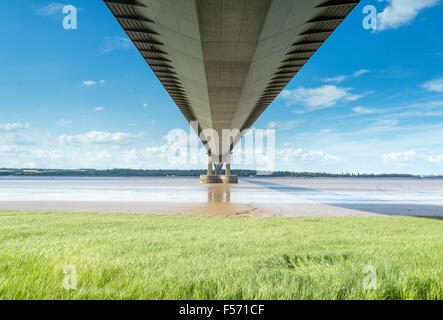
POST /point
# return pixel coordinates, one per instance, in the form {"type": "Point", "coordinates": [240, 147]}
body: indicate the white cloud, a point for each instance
{"type": "Point", "coordinates": [96, 156]}
{"type": "Point", "coordinates": [7, 149]}
{"type": "Point", "coordinates": [176, 139]}
{"type": "Point", "coordinates": [98, 137]}
{"type": "Point", "coordinates": [55, 155]}
{"type": "Point", "coordinates": [89, 83]}
{"type": "Point", "coordinates": [50, 9]}
{"type": "Point", "coordinates": [435, 85]}
{"type": "Point", "coordinates": [161, 151]}
{"type": "Point", "coordinates": [401, 12]}
{"type": "Point", "coordinates": [355, 97]}
{"type": "Point", "coordinates": [11, 137]}
{"type": "Point", "coordinates": [360, 72]}
{"type": "Point", "coordinates": [431, 108]}
{"type": "Point", "coordinates": [337, 79]}
{"type": "Point", "coordinates": [145, 105]}
{"type": "Point", "coordinates": [387, 122]}
{"type": "Point", "coordinates": [363, 110]}
{"type": "Point", "coordinates": [99, 109]}
{"type": "Point", "coordinates": [319, 98]}
{"type": "Point", "coordinates": [14, 126]}
{"type": "Point", "coordinates": [64, 123]}
{"type": "Point", "coordinates": [282, 125]}
{"type": "Point", "coordinates": [291, 153]}
{"type": "Point", "coordinates": [435, 159]}
{"type": "Point", "coordinates": [130, 155]}
{"type": "Point", "coordinates": [342, 78]}
{"type": "Point", "coordinates": [115, 43]}
{"type": "Point", "coordinates": [400, 156]}
{"type": "Point", "coordinates": [318, 155]}
{"type": "Point", "coordinates": [272, 125]}
{"type": "Point", "coordinates": [411, 156]}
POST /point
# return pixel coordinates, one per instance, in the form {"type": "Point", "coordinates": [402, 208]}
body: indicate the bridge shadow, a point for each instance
{"type": "Point", "coordinates": [385, 208]}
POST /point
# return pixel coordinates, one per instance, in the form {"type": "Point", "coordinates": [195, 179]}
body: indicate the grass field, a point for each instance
{"type": "Point", "coordinates": [130, 256]}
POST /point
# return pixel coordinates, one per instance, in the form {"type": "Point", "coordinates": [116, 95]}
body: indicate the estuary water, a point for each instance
{"type": "Point", "coordinates": [251, 197]}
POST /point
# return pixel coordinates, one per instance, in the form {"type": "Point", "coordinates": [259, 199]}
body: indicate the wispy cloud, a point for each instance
{"type": "Point", "coordinates": [89, 83]}
{"type": "Point", "coordinates": [14, 126]}
{"type": "Point", "coordinates": [360, 72]}
{"type": "Point", "coordinates": [342, 78]}
{"type": "Point", "coordinates": [337, 79]}
{"type": "Point", "coordinates": [387, 122]}
{"type": "Point", "coordinates": [99, 109]}
{"type": "Point", "coordinates": [115, 43]}
{"type": "Point", "coordinates": [435, 85]}
{"type": "Point", "coordinates": [291, 153]}
{"type": "Point", "coordinates": [15, 139]}
{"type": "Point", "coordinates": [282, 125]}
{"type": "Point", "coordinates": [401, 12]}
{"type": "Point", "coordinates": [319, 155]}
{"type": "Point", "coordinates": [431, 108]}
{"type": "Point", "coordinates": [364, 110]}
{"type": "Point", "coordinates": [98, 137]}
{"type": "Point", "coordinates": [171, 143]}
{"type": "Point", "coordinates": [411, 156]}
{"type": "Point", "coordinates": [52, 9]}
{"type": "Point", "coordinates": [318, 98]}
{"type": "Point", "coordinates": [64, 123]}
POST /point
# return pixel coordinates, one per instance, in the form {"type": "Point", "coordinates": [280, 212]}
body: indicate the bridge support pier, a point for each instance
{"type": "Point", "coordinates": [219, 178]}
{"type": "Point", "coordinates": [209, 165]}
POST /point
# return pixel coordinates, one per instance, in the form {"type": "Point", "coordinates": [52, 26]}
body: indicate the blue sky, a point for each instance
{"type": "Point", "coordinates": [368, 101]}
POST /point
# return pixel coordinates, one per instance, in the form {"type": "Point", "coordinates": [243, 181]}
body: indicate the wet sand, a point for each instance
{"type": "Point", "coordinates": [252, 197]}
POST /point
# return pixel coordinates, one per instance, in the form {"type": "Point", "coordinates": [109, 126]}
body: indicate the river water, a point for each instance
{"type": "Point", "coordinates": [251, 197]}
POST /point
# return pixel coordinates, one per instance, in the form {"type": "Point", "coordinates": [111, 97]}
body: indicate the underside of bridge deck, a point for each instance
{"type": "Point", "coordinates": [223, 62]}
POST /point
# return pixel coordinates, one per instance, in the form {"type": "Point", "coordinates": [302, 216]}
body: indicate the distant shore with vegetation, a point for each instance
{"type": "Point", "coordinates": [188, 173]}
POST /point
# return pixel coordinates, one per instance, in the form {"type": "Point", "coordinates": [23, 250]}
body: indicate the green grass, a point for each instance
{"type": "Point", "coordinates": [129, 256]}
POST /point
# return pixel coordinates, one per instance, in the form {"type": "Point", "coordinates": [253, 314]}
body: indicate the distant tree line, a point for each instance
{"type": "Point", "coordinates": [187, 173]}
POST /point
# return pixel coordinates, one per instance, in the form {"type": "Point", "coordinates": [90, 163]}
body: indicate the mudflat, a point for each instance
{"type": "Point", "coordinates": [252, 197]}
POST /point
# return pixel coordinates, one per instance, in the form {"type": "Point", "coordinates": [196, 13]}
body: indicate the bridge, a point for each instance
{"type": "Point", "coordinates": [223, 62]}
